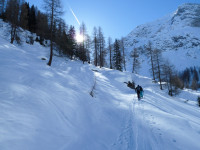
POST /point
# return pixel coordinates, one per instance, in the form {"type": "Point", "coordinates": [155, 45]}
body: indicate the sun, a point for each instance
{"type": "Point", "coordinates": [79, 38]}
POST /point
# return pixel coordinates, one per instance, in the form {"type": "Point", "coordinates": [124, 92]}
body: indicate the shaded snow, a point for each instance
{"type": "Point", "coordinates": [44, 107]}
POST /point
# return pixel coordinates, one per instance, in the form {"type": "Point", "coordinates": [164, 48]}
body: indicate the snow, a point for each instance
{"type": "Point", "coordinates": [44, 107]}
{"type": "Point", "coordinates": [176, 34]}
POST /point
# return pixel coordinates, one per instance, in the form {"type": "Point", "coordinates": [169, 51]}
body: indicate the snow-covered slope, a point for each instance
{"type": "Point", "coordinates": [176, 34]}
{"type": "Point", "coordinates": [50, 108]}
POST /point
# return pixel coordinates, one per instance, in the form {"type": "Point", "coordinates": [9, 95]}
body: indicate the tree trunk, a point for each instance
{"type": "Point", "coordinates": [100, 55]}
{"type": "Point", "coordinates": [11, 36]}
{"type": "Point", "coordinates": [134, 60]}
{"type": "Point", "coordinates": [124, 59]}
{"type": "Point", "coordinates": [152, 67]}
{"type": "Point", "coordinates": [95, 43]}
{"type": "Point", "coordinates": [51, 54]}
{"type": "Point", "coordinates": [13, 32]}
{"type": "Point", "coordinates": [159, 73]}
{"type": "Point", "coordinates": [110, 58]}
{"type": "Point", "coordinates": [51, 46]}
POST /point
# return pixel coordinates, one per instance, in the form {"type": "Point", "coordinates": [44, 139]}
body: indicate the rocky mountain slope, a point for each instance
{"type": "Point", "coordinates": [177, 35]}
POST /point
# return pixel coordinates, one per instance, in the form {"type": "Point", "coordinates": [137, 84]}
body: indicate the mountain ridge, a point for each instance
{"type": "Point", "coordinates": [177, 32]}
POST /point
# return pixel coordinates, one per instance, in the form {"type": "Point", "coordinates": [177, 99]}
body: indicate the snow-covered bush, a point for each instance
{"type": "Point", "coordinates": [18, 40]}
{"type": "Point", "coordinates": [30, 40]}
{"type": "Point", "coordinates": [131, 84]}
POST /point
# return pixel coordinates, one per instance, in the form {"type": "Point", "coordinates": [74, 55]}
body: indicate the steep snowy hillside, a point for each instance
{"type": "Point", "coordinates": [50, 108]}
{"type": "Point", "coordinates": [176, 34]}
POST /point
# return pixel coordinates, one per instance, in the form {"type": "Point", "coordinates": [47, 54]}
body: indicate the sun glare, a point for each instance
{"type": "Point", "coordinates": [79, 38]}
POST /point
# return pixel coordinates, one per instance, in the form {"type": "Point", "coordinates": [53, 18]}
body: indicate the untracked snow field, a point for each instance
{"type": "Point", "coordinates": [50, 108]}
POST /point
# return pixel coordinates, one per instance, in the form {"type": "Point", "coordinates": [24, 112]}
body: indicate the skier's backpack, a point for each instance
{"type": "Point", "coordinates": [141, 94]}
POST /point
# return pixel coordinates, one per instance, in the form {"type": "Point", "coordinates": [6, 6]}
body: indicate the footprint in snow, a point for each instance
{"type": "Point", "coordinates": [153, 122]}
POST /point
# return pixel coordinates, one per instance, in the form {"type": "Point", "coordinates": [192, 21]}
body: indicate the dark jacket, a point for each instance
{"type": "Point", "coordinates": [138, 89]}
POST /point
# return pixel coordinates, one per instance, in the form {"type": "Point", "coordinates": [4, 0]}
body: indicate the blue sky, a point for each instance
{"type": "Point", "coordinates": [116, 17]}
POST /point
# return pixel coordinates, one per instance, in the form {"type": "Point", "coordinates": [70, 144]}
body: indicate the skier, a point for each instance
{"type": "Point", "coordinates": [139, 92]}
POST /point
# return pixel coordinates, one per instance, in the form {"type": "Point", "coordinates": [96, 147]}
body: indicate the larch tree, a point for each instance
{"type": "Point", "coordinates": [185, 76]}
{"type": "Point", "coordinates": [42, 26]}
{"type": "Point", "coordinates": [177, 84]}
{"type": "Point", "coordinates": [54, 10]}
{"type": "Point", "coordinates": [158, 63]}
{"type": "Point", "coordinates": [32, 19]}
{"type": "Point", "coordinates": [167, 75]}
{"type": "Point", "coordinates": [82, 49]}
{"type": "Point", "coordinates": [149, 53]}
{"type": "Point", "coordinates": [88, 46]}
{"type": "Point", "coordinates": [101, 43]}
{"type": "Point", "coordinates": [123, 53]}
{"type": "Point", "coordinates": [95, 46]}
{"type": "Point", "coordinates": [194, 85]}
{"type": "Point", "coordinates": [110, 50]}
{"type": "Point", "coordinates": [196, 76]}
{"type": "Point", "coordinates": [12, 15]}
{"type": "Point", "coordinates": [58, 31]}
{"type": "Point", "coordinates": [24, 16]}
{"type": "Point", "coordinates": [136, 62]}
{"type": "Point", "coordinates": [72, 41]}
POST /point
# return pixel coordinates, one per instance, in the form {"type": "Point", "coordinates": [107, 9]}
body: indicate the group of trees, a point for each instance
{"type": "Point", "coordinates": [99, 47]}
{"type": "Point", "coordinates": [164, 72]}
{"type": "Point", "coordinates": [50, 26]}
{"type": "Point", "coordinates": [112, 56]}
{"type": "Point", "coordinates": [191, 77]}
{"type": "Point", "coordinates": [116, 54]}
{"type": "Point", "coordinates": [19, 14]}
{"type": "Point", "coordinates": [85, 45]}
{"type": "Point", "coordinates": [155, 60]}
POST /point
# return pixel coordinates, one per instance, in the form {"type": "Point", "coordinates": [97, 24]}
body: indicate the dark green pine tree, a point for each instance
{"type": "Point", "coordinates": [23, 20]}
{"type": "Point", "coordinates": [72, 41]}
{"type": "Point", "coordinates": [2, 9]}
{"type": "Point", "coordinates": [117, 58]}
{"type": "Point", "coordinates": [32, 19]}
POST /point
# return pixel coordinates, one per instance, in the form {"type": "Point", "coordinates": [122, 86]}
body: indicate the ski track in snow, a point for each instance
{"type": "Point", "coordinates": [142, 131]}
{"type": "Point", "coordinates": [132, 135]}
{"type": "Point", "coordinates": [50, 108]}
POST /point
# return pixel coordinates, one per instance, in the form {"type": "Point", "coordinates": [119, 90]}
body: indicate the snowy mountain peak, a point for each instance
{"type": "Point", "coordinates": [189, 14]}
